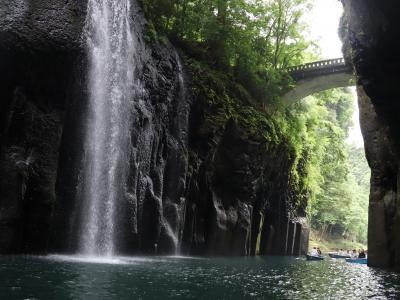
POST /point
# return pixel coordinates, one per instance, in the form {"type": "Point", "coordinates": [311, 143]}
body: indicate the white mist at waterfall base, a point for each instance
{"type": "Point", "coordinates": [172, 235]}
{"type": "Point", "coordinates": [111, 51]}
{"type": "Point", "coordinates": [117, 260]}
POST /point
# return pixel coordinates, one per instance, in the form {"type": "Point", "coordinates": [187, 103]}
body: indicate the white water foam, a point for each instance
{"type": "Point", "coordinates": [116, 260]}
{"type": "Point", "coordinates": [111, 52]}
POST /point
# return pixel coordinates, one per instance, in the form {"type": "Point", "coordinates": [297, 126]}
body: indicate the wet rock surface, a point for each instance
{"type": "Point", "coordinates": [370, 31]}
{"type": "Point", "coordinates": [41, 24]}
{"type": "Point", "coordinates": [207, 191]}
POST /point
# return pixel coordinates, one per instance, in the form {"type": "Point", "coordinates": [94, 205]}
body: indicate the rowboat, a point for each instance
{"type": "Point", "coordinates": [362, 261]}
{"type": "Point", "coordinates": [333, 255]}
{"type": "Point", "coordinates": [312, 258]}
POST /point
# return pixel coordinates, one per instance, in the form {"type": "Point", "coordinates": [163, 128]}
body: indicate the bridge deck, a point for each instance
{"type": "Point", "coordinates": [319, 68]}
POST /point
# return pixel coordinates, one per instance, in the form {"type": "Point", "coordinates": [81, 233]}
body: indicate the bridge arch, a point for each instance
{"type": "Point", "coordinates": [317, 77]}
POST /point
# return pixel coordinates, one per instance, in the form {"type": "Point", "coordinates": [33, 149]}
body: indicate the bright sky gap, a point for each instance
{"type": "Point", "coordinates": [323, 21]}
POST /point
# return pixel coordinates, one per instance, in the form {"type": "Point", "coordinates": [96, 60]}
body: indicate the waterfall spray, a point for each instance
{"type": "Point", "coordinates": [111, 52]}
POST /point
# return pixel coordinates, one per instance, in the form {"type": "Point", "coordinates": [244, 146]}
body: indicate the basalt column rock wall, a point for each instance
{"type": "Point", "coordinates": [40, 59]}
{"type": "Point", "coordinates": [44, 99]}
{"type": "Point", "coordinates": [370, 30]}
{"type": "Point", "coordinates": [204, 190]}
{"type": "Point", "coordinates": [239, 200]}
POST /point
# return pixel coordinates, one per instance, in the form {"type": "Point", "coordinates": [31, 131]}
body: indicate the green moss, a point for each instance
{"type": "Point", "coordinates": [228, 100]}
{"type": "Point", "coordinates": [223, 100]}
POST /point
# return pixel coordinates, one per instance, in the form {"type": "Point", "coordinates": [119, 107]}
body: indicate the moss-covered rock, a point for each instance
{"type": "Point", "coordinates": [243, 169]}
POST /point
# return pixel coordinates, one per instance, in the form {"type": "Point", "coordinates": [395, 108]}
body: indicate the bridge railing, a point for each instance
{"type": "Point", "coordinates": [317, 65]}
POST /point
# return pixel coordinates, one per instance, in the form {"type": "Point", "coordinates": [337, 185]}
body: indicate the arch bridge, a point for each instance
{"type": "Point", "coordinates": [317, 77]}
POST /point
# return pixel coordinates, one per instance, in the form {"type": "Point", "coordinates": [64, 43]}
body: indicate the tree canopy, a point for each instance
{"type": "Point", "coordinates": [340, 202]}
{"type": "Point", "coordinates": [254, 40]}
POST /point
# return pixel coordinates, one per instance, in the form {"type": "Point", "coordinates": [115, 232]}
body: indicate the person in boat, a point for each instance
{"type": "Point", "coordinates": [319, 251]}
{"type": "Point", "coordinates": [362, 254]}
{"type": "Point", "coordinates": [314, 252]}
{"type": "Point", "coordinates": [353, 254]}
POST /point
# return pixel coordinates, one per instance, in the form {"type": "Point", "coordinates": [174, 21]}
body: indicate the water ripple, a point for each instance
{"type": "Point", "coordinates": [66, 277]}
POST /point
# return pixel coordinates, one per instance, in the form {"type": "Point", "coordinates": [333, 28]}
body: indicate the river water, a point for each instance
{"type": "Point", "coordinates": [61, 277]}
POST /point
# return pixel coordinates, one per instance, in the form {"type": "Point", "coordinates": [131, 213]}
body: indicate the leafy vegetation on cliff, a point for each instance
{"type": "Point", "coordinates": [251, 40]}
{"type": "Point", "coordinates": [339, 216]}
{"type": "Point", "coordinates": [340, 203]}
{"type": "Point", "coordinates": [237, 51]}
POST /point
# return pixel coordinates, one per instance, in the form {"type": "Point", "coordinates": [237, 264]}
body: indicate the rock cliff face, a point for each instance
{"type": "Point", "coordinates": [370, 31]}
{"type": "Point", "coordinates": [205, 190]}
{"type": "Point", "coordinates": [41, 59]}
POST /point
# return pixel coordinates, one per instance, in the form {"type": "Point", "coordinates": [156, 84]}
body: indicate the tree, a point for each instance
{"type": "Point", "coordinates": [253, 40]}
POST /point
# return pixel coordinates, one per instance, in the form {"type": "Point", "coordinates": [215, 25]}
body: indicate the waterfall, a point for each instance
{"type": "Point", "coordinates": [111, 50]}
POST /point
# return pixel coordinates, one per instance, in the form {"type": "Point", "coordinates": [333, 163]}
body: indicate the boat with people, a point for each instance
{"type": "Point", "coordinates": [351, 256]}
{"type": "Point", "coordinates": [315, 254]}
{"type": "Point", "coordinates": [314, 258]}
{"type": "Point", "coordinates": [361, 261]}
{"type": "Point", "coordinates": [338, 256]}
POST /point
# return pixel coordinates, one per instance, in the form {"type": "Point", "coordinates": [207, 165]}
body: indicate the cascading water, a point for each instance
{"type": "Point", "coordinates": [111, 52]}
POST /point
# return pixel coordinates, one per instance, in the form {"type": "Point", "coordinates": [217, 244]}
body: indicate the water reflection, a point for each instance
{"type": "Point", "coordinates": [59, 277]}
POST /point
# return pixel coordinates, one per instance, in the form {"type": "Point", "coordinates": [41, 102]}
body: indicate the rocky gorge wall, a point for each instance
{"type": "Point", "coordinates": [370, 31]}
{"type": "Point", "coordinates": [205, 188]}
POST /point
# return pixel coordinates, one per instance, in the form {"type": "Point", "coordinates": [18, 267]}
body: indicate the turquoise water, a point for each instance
{"type": "Point", "coordinates": [58, 277]}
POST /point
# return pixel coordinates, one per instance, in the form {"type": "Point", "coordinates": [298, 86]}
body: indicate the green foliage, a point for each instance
{"type": "Point", "coordinates": [227, 100]}
{"type": "Point", "coordinates": [359, 180]}
{"type": "Point", "coordinates": [341, 198]}
{"type": "Point", "coordinates": [333, 243]}
{"type": "Point", "coordinates": [253, 40]}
